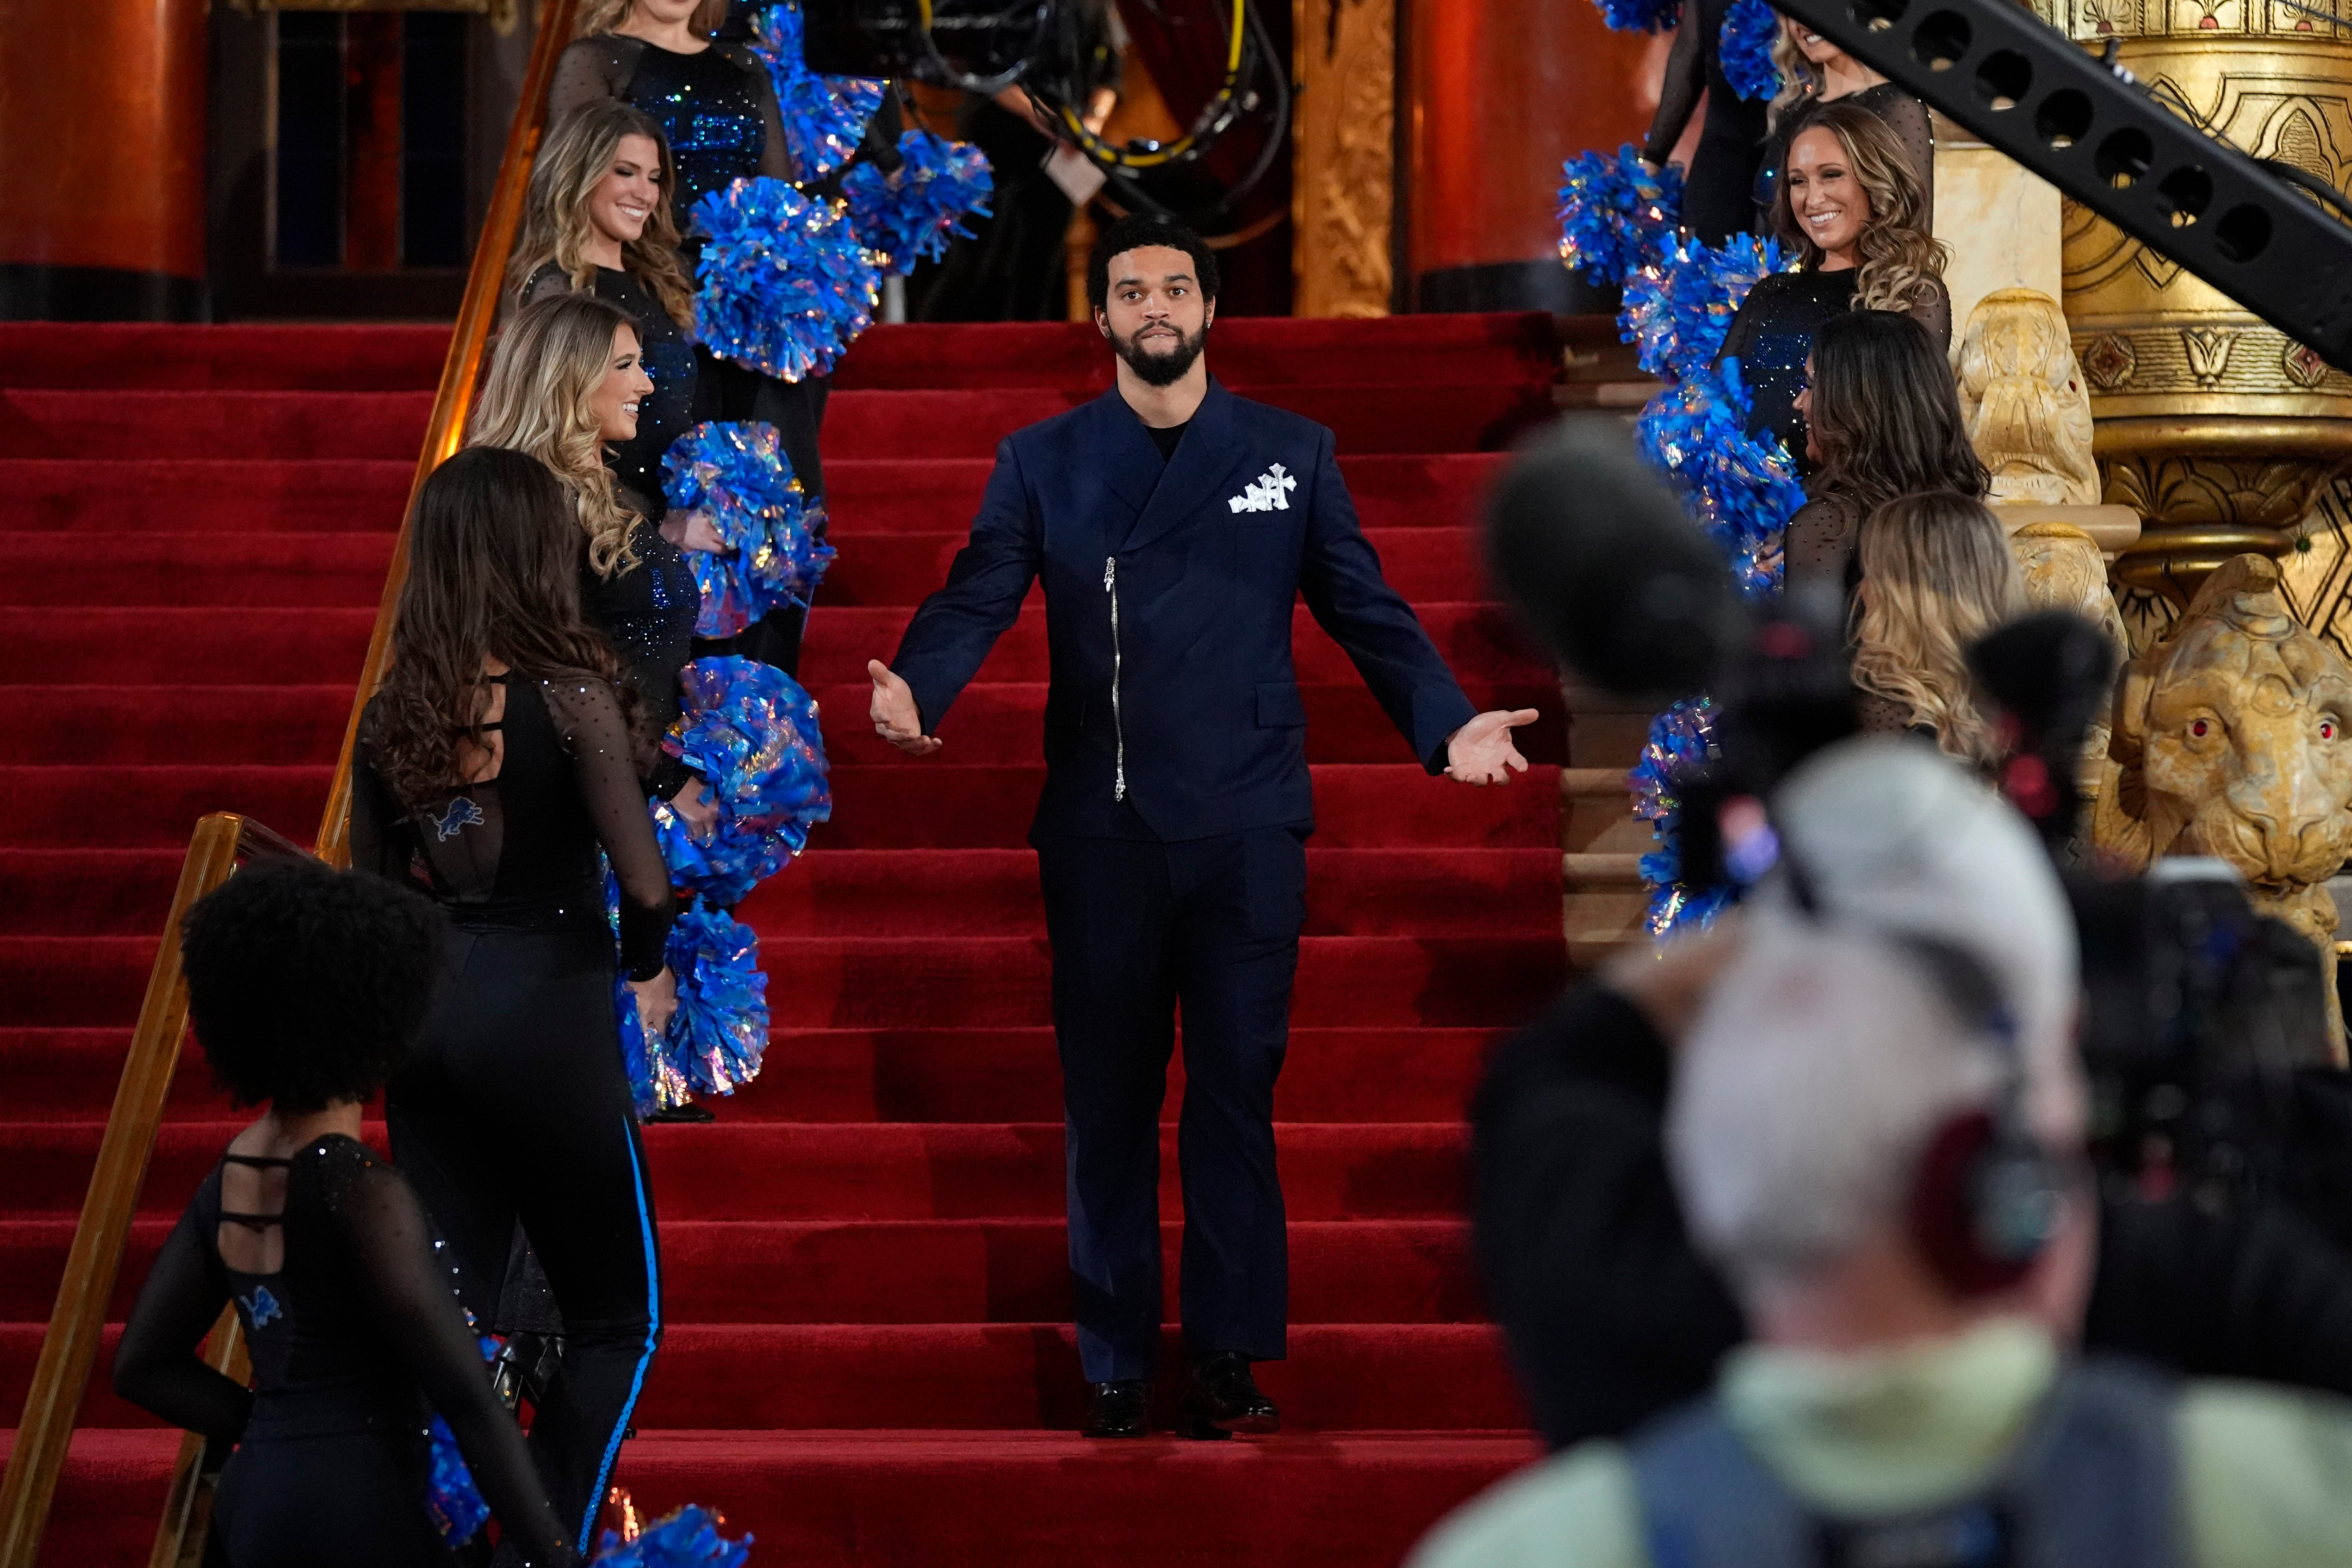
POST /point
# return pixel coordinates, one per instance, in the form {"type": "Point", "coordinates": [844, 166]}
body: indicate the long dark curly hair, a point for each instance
{"type": "Point", "coordinates": [494, 563]}
{"type": "Point", "coordinates": [1885, 412]}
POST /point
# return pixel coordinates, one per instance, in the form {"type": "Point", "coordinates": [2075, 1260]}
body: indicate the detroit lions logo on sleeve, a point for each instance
{"type": "Point", "coordinates": [1266, 493]}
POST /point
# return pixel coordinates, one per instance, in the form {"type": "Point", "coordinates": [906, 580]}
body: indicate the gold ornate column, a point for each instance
{"type": "Point", "coordinates": [1343, 185]}
{"type": "Point", "coordinates": [2219, 429]}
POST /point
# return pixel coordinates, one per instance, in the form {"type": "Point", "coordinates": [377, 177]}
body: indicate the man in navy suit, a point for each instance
{"type": "Point", "coordinates": [1174, 525]}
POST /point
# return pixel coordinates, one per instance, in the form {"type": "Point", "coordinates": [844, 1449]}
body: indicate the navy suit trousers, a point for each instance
{"type": "Point", "coordinates": [1139, 929]}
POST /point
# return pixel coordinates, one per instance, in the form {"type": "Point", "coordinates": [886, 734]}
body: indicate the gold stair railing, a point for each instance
{"type": "Point", "coordinates": [69, 1348]}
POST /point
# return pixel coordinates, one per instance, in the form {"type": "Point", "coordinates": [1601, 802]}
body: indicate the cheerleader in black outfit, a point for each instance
{"type": "Point", "coordinates": [717, 110]}
{"type": "Point", "coordinates": [492, 765]}
{"type": "Point", "coordinates": [565, 387]}
{"type": "Point", "coordinates": [1850, 204]}
{"type": "Point", "coordinates": [307, 987]}
{"type": "Point", "coordinates": [1718, 190]}
{"type": "Point", "coordinates": [597, 219]}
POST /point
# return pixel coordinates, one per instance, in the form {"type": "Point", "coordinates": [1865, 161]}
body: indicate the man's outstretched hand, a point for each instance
{"type": "Point", "coordinates": [1480, 752]}
{"type": "Point", "coordinates": [897, 720]}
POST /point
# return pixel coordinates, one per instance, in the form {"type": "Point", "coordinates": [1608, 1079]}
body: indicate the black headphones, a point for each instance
{"type": "Point", "coordinates": [1987, 1196]}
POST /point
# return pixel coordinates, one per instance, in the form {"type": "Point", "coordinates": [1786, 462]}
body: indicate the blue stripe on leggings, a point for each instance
{"type": "Point", "coordinates": [653, 1333]}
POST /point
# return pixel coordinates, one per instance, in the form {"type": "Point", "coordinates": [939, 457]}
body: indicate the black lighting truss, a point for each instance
{"type": "Point", "coordinates": [2086, 127]}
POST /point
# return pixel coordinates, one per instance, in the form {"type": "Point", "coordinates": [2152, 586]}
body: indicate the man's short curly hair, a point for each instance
{"type": "Point", "coordinates": [1136, 231]}
{"type": "Point", "coordinates": [306, 984]}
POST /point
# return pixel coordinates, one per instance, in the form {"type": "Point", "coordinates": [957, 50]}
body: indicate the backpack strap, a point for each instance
{"type": "Point", "coordinates": [2094, 1485]}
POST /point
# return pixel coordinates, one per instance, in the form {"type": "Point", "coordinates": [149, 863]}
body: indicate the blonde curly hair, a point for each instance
{"type": "Point", "coordinates": [1900, 265]}
{"type": "Point", "coordinates": [1800, 80]}
{"type": "Point", "coordinates": [548, 362]}
{"type": "Point", "coordinates": [604, 15]}
{"type": "Point", "coordinates": [1937, 574]}
{"type": "Point", "coordinates": [571, 163]}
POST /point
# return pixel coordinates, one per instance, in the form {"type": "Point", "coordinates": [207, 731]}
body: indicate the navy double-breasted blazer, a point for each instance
{"type": "Point", "coordinates": [1190, 710]}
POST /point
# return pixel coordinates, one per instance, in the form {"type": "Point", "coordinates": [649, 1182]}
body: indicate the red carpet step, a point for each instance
{"type": "Point", "coordinates": [868, 1360]}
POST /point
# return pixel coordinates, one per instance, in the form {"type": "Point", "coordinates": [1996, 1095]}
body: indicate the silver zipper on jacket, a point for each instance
{"type": "Point", "coordinates": [1118, 730]}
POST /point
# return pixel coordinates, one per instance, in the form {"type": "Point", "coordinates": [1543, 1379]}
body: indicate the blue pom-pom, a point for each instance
{"type": "Point", "coordinates": [1742, 489]}
{"type": "Point", "coordinates": [720, 1032]}
{"type": "Point", "coordinates": [1640, 15]}
{"type": "Point", "coordinates": [738, 477]}
{"type": "Point", "coordinates": [1681, 743]}
{"type": "Point", "coordinates": [910, 214]}
{"type": "Point", "coordinates": [1615, 217]}
{"type": "Point", "coordinates": [1745, 48]}
{"type": "Point", "coordinates": [1680, 303]}
{"type": "Point", "coordinates": [452, 1500]}
{"type": "Point", "coordinates": [752, 731]}
{"type": "Point", "coordinates": [686, 1539]}
{"type": "Point", "coordinates": [824, 117]}
{"type": "Point", "coordinates": [785, 285]}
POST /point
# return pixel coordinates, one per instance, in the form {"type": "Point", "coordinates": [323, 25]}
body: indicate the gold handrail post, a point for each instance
{"type": "Point", "coordinates": [69, 1348]}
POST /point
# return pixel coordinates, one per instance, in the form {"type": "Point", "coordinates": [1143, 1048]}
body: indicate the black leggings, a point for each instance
{"type": "Point", "coordinates": [515, 1107]}
{"type": "Point", "coordinates": [355, 1499]}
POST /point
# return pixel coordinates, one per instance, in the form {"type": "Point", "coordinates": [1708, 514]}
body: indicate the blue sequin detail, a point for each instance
{"type": "Point", "coordinates": [461, 814]}
{"type": "Point", "coordinates": [261, 1309]}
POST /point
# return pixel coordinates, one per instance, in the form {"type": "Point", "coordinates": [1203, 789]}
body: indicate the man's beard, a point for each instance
{"type": "Point", "coordinates": [1166, 367]}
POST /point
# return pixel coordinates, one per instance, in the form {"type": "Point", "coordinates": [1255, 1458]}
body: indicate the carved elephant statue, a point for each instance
{"type": "Point", "coordinates": [2027, 407]}
{"type": "Point", "coordinates": [2229, 738]}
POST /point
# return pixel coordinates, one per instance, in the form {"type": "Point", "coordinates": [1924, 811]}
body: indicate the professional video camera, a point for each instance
{"type": "Point", "coordinates": [2206, 1035]}
{"type": "Point", "coordinates": [1051, 49]}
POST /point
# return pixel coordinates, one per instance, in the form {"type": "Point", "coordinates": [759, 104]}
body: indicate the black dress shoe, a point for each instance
{"type": "Point", "coordinates": [688, 1111]}
{"type": "Point", "coordinates": [1220, 1399]}
{"type": "Point", "coordinates": [1118, 1409]}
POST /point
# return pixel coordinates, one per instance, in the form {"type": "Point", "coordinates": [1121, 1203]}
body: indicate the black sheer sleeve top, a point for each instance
{"type": "Point", "coordinates": [520, 850]}
{"type": "Point", "coordinates": [1695, 65]}
{"type": "Point", "coordinates": [358, 1331]}
{"type": "Point", "coordinates": [716, 109]}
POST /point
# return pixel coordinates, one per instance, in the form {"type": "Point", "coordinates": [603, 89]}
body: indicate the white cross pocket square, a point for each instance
{"type": "Point", "coordinates": [1266, 493]}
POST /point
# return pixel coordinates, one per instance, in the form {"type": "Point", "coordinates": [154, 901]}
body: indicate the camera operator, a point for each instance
{"type": "Point", "coordinates": [1609, 1313]}
{"type": "Point", "coordinates": [1885, 1162]}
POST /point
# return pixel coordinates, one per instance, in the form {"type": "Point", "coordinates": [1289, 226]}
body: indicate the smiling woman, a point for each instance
{"type": "Point", "coordinates": [1851, 204]}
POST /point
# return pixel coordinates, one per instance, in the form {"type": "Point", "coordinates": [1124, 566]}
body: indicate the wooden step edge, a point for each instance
{"type": "Point", "coordinates": [1594, 783]}
{"type": "Point", "coordinates": [1599, 871]}
{"type": "Point", "coordinates": [1618, 395]}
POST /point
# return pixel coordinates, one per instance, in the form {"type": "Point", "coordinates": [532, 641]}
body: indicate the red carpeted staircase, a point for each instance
{"type": "Point", "coordinates": [866, 1358]}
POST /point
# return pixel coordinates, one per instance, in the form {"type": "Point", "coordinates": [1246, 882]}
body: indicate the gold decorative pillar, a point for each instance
{"type": "Point", "coordinates": [2216, 427]}
{"type": "Point", "coordinates": [1343, 185]}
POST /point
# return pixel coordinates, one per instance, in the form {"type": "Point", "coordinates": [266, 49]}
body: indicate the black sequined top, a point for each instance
{"type": "Point", "coordinates": [679, 399]}
{"type": "Point", "coordinates": [1773, 335]}
{"type": "Point", "coordinates": [648, 612]}
{"type": "Point", "coordinates": [716, 109]}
